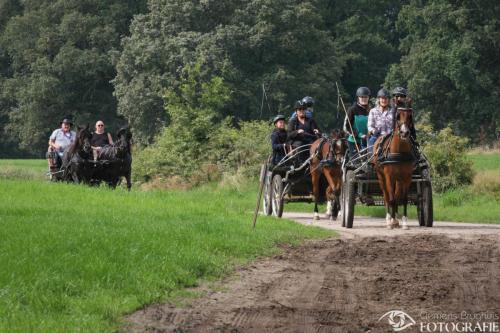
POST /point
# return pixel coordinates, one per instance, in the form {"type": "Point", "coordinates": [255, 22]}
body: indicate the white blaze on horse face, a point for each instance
{"type": "Point", "coordinates": [404, 130]}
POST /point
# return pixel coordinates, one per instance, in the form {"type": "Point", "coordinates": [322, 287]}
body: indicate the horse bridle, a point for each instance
{"type": "Point", "coordinates": [399, 124]}
{"type": "Point", "coordinates": [337, 150]}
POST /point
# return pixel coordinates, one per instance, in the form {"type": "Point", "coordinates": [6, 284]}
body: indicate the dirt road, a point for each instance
{"type": "Point", "coordinates": [347, 284]}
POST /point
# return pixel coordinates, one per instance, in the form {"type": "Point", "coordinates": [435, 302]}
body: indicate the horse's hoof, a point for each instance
{"type": "Point", "coordinates": [405, 227]}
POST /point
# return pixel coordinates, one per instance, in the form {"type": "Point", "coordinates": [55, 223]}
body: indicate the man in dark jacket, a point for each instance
{"type": "Point", "coordinates": [302, 130]}
{"type": "Point", "coordinates": [278, 139]}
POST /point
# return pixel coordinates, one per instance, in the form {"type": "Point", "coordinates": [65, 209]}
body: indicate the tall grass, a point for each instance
{"type": "Point", "coordinates": [75, 258]}
{"type": "Point", "coordinates": [23, 169]}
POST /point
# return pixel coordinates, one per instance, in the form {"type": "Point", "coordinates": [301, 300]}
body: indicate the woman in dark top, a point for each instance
{"type": "Point", "coordinates": [302, 130]}
{"type": "Point", "coordinates": [100, 138]}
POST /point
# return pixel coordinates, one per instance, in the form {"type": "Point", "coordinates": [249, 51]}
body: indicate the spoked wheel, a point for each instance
{"type": "Point", "coordinates": [277, 196]}
{"type": "Point", "coordinates": [349, 191]}
{"type": "Point", "coordinates": [427, 209]}
{"type": "Point", "coordinates": [342, 203]}
{"type": "Point", "coordinates": [267, 207]}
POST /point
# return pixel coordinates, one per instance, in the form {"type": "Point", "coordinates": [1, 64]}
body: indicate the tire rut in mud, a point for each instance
{"type": "Point", "coordinates": [343, 286]}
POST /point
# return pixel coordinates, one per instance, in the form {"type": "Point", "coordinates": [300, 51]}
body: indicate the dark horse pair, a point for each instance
{"type": "Point", "coordinates": [113, 162]}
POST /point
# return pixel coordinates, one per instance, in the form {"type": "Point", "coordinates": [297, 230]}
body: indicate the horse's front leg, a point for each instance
{"type": "Point", "coordinates": [393, 204]}
{"type": "Point", "coordinates": [383, 188]}
{"type": "Point", "coordinates": [405, 218]}
{"type": "Point", "coordinates": [405, 203]}
{"type": "Point", "coordinates": [129, 180]}
{"type": "Point", "coordinates": [315, 183]}
{"type": "Point", "coordinates": [332, 194]}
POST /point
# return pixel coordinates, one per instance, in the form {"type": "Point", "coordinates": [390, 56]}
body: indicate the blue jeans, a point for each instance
{"type": "Point", "coordinates": [371, 142]}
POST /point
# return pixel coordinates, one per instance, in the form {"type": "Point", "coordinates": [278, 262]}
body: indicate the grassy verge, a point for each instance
{"type": "Point", "coordinates": [77, 259]}
{"type": "Point", "coordinates": [461, 205]}
{"type": "Point", "coordinates": [23, 169]}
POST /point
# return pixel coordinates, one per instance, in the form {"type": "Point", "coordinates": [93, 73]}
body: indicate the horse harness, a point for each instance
{"type": "Point", "coordinates": [331, 157]}
{"type": "Point", "coordinates": [384, 156]}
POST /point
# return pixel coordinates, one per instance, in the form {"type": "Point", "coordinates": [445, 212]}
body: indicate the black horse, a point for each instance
{"type": "Point", "coordinates": [115, 161]}
{"type": "Point", "coordinates": [75, 165]}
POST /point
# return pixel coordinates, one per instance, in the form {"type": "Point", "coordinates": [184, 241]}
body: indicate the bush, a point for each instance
{"type": "Point", "coordinates": [242, 150]}
{"type": "Point", "coordinates": [196, 147]}
{"type": "Point", "coordinates": [450, 166]}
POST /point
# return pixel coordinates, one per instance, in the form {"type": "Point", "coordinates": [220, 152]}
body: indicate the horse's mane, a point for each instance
{"type": "Point", "coordinates": [81, 132]}
{"type": "Point", "coordinates": [120, 147]}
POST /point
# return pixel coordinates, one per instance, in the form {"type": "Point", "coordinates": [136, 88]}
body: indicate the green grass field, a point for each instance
{"type": "Point", "coordinates": [76, 258]}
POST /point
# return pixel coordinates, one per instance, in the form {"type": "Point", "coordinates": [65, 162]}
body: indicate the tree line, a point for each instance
{"type": "Point", "coordinates": [123, 61]}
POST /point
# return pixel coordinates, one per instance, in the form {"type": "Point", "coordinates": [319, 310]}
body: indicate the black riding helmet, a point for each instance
{"type": "Point", "coordinates": [399, 91]}
{"type": "Point", "coordinates": [278, 117]}
{"type": "Point", "coordinates": [363, 91]}
{"type": "Point", "coordinates": [299, 105]}
{"type": "Point", "coordinates": [383, 93]}
{"type": "Point", "coordinates": [308, 101]}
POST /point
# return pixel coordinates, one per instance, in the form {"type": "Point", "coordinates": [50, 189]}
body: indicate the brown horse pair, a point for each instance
{"type": "Point", "coordinates": [327, 160]}
{"type": "Point", "coordinates": [395, 167]}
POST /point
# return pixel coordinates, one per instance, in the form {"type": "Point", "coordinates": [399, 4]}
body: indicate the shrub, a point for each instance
{"type": "Point", "coordinates": [242, 149]}
{"type": "Point", "coordinates": [196, 146]}
{"type": "Point", "coordinates": [450, 166]}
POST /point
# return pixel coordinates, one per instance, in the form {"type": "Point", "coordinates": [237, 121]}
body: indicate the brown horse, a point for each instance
{"type": "Point", "coordinates": [327, 160]}
{"type": "Point", "coordinates": [394, 164]}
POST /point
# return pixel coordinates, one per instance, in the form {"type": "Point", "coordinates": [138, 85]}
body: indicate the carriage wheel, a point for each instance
{"type": "Point", "coordinates": [342, 202]}
{"type": "Point", "coordinates": [420, 205]}
{"type": "Point", "coordinates": [420, 212]}
{"type": "Point", "coordinates": [267, 207]}
{"type": "Point", "coordinates": [427, 209]}
{"type": "Point", "coordinates": [277, 196]}
{"type": "Point", "coordinates": [350, 188]}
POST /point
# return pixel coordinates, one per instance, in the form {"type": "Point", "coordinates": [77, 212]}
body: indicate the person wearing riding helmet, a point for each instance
{"type": "Point", "coordinates": [278, 139]}
{"type": "Point", "coordinates": [399, 98]}
{"type": "Point", "coordinates": [302, 130]}
{"type": "Point", "coordinates": [380, 119]}
{"type": "Point", "coordinates": [308, 101]}
{"type": "Point", "coordinates": [356, 121]}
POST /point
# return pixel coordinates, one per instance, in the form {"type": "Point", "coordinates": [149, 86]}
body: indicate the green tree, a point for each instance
{"type": "Point", "coordinates": [282, 44]}
{"type": "Point", "coordinates": [365, 34]}
{"type": "Point", "coordinates": [60, 62]}
{"type": "Point", "coordinates": [449, 63]}
{"type": "Point", "coordinates": [183, 146]}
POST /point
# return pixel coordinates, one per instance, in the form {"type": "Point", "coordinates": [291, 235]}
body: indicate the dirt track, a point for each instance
{"type": "Point", "coordinates": [347, 284]}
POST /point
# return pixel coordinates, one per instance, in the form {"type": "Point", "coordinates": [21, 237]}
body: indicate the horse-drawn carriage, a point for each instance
{"type": "Point", "coordinates": [304, 175]}
{"type": "Point", "coordinates": [361, 187]}
{"type": "Point", "coordinates": [77, 163]}
{"type": "Point", "coordinates": [293, 180]}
